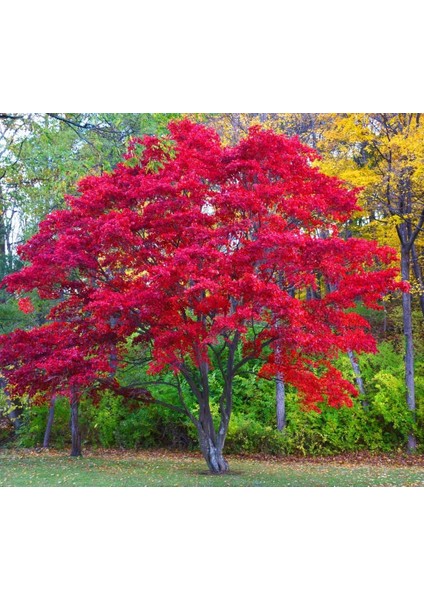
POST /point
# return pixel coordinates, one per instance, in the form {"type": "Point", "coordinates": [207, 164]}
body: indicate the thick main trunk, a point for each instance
{"type": "Point", "coordinates": [49, 424]}
{"type": "Point", "coordinates": [212, 441]}
{"type": "Point", "coordinates": [409, 343]}
{"type": "Point", "coordinates": [75, 432]}
{"type": "Point", "coordinates": [212, 453]}
{"type": "Point", "coordinates": [280, 402]}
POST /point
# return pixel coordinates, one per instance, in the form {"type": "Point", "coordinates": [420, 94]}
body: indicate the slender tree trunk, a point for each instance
{"type": "Point", "coordinates": [384, 319]}
{"type": "Point", "coordinates": [280, 402]}
{"type": "Point", "coordinates": [75, 432]}
{"type": "Point", "coordinates": [49, 424]}
{"type": "Point", "coordinates": [409, 343]}
{"type": "Point", "coordinates": [3, 237]}
{"type": "Point", "coordinates": [235, 120]}
{"type": "Point", "coordinates": [418, 275]}
{"type": "Point", "coordinates": [359, 381]}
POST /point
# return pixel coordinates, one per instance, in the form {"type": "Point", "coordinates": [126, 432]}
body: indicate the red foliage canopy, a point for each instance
{"type": "Point", "coordinates": [188, 243]}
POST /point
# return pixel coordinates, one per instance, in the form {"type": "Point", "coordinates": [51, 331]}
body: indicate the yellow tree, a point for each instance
{"type": "Point", "coordinates": [384, 153]}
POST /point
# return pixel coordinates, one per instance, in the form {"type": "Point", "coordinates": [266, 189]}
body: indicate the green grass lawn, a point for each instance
{"type": "Point", "coordinates": [158, 469]}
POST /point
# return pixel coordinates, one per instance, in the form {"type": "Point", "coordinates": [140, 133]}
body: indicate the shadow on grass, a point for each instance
{"type": "Point", "coordinates": [210, 474]}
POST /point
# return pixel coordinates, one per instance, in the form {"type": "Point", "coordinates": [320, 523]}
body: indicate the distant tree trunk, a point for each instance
{"type": "Point", "coordinates": [384, 318]}
{"type": "Point", "coordinates": [75, 432]}
{"type": "Point", "coordinates": [235, 119]}
{"type": "Point", "coordinates": [113, 357]}
{"type": "Point", "coordinates": [359, 381]}
{"type": "Point", "coordinates": [418, 276]}
{"type": "Point", "coordinates": [280, 401]}
{"type": "Point", "coordinates": [409, 343]}
{"type": "Point", "coordinates": [49, 424]}
{"type": "Point", "coordinates": [3, 237]}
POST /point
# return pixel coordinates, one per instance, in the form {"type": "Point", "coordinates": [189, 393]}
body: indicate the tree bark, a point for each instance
{"type": "Point", "coordinates": [212, 452]}
{"type": "Point", "coordinates": [418, 275]}
{"type": "Point", "coordinates": [3, 234]}
{"type": "Point", "coordinates": [280, 402]}
{"type": "Point", "coordinates": [409, 343]}
{"type": "Point", "coordinates": [75, 432]}
{"type": "Point", "coordinates": [211, 442]}
{"type": "Point", "coordinates": [236, 127]}
{"type": "Point", "coordinates": [49, 424]}
{"type": "Point", "coordinates": [358, 376]}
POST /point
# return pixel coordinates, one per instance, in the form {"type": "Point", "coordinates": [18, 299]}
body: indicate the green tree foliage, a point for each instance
{"type": "Point", "coordinates": [44, 155]}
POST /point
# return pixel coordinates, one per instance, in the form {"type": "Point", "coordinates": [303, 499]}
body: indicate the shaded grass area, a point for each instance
{"type": "Point", "coordinates": [170, 469]}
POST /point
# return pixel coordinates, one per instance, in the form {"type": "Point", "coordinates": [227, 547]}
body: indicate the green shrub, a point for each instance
{"type": "Point", "coordinates": [155, 427]}
{"type": "Point", "coordinates": [381, 426]}
{"type": "Point", "coordinates": [31, 433]}
{"type": "Point", "coordinates": [246, 436]}
{"type": "Point", "coordinates": [98, 422]}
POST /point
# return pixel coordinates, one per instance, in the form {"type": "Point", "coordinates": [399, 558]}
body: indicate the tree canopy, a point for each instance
{"type": "Point", "coordinates": [209, 256]}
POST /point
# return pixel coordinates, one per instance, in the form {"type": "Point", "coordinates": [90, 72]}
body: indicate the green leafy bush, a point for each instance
{"type": "Point", "coordinates": [31, 433]}
{"type": "Point", "coordinates": [246, 436]}
{"type": "Point", "coordinates": [381, 426]}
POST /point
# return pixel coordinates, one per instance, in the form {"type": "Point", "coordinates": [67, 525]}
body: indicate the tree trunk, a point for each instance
{"type": "Point", "coordinates": [75, 432]}
{"type": "Point", "coordinates": [418, 276]}
{"type": "Point", "coordinates": [280, 402]}
{"type": "Point", "coordinates": [384, 318]}
{"type": "Point", "coordinates": [212, 452]}
{"type": "Point", "coordinates": [211, 441]}
{"type": "Point", "coordinates": [49, 425]}
{"type": "Point", "coordinates": [358, 376]}
{"type": "Point", "coordinates": [409, 344]}
{"type": "Point", "coordinates": [3, 234]}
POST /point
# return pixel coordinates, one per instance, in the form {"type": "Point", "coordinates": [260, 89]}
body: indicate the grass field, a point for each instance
{"type": "Point", "coordinates": [170, 469]}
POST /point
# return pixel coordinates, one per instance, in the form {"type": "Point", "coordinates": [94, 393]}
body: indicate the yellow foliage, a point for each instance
{"type": "Point", "coordinates": [384, 155]}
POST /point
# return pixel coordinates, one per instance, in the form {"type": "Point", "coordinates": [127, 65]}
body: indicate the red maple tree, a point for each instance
{"type": "Point", "coordinates": [210, 256]}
